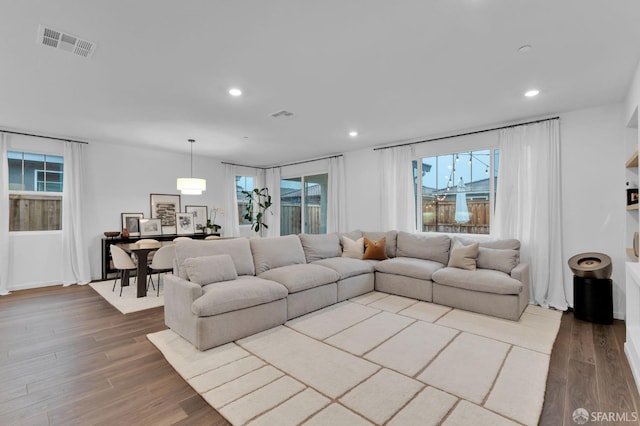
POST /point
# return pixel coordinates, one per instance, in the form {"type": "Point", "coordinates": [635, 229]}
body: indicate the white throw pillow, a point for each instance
{"type": "Point", "coordinates": [352, 249]}
{"type": "Point", "coordinates": [210, 269]}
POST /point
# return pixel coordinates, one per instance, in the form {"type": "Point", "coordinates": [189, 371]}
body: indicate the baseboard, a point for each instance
{"type": "Point", "coordinates": [27, 286]}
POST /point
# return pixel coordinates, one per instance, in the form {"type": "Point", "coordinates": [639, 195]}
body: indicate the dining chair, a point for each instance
{"type": "Point", "coordinates": [212, 237]}
{"type": "Point", "coordinates": [162, 263]}
{"type": "Point", "coordinates": [122, 262]}
{"type": "Point", "coordinates": [182, 238]}
{"type": "Point", "coordinates": [151, 253]}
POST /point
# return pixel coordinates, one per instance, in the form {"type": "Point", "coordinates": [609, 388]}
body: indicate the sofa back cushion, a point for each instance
{"type": "Point", "coordinates": [320, 246]}
{"type": "Point", "coordinates": [210, 269]}
{"type": "Point", "coordinates": [424, 246]}
{"type": "Point", "coordinates": [391, 238]}
{"type": "Point", "coordinates": [274, 252]}
{"type": "Point", "coordinates": [499, 255]}
{"type": "Point", "coordinates": [237, 248]}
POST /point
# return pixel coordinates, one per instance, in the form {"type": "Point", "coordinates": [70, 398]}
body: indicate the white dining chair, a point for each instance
{"type": "Point", "coordinates": [122, 262]}
{"type": "Point", "coordinates": [162, 263]}
{"type": "Point", "coordinates": [181, 239]}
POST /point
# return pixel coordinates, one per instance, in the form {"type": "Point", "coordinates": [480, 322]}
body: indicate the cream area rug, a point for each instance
{"type": "Point", "coordinates": [377, 359]}
{"type": "Point", "coordinates": [129, 302]}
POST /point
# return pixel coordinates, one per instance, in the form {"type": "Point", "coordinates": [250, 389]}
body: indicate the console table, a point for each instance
{"type": "Point", "coordinates": [107, 265]}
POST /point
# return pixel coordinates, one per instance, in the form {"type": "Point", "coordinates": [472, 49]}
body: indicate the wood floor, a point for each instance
{"type": "Point", "coordinates": [68, 357]}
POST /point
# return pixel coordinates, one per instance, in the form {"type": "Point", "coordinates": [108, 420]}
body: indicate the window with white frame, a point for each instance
{"type": "Point", "coordinates": [456, 192]}
{"type": "Point", "coordinates": [35, 191]}
{"type": "Point", "coordinates": [303, 204]}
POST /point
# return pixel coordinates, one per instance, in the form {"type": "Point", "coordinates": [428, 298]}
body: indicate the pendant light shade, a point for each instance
{"type": "Point", "coordinates": [191, 185]}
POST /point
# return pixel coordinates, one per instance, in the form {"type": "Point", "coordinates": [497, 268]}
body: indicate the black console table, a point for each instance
{"type": "Point", "coordinates": [107, 265]}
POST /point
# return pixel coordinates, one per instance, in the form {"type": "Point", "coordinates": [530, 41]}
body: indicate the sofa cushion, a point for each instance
{"type": "Point", "coordinates": [375, 250]}
{"type": "Point", "coordinates": [320, 246]}
{"type": "Point", "coordinates": [274, 252]}
{"type": "Point", "coordinates": [503, 260]}
{"type": "Point", "coordinates": [352, 249]}
{"type": "Point", "coordinates": [245, 292]}
{"type": "Point", "coordinates": [391, 238]}
{"type": "Point", "coordinates": [237, 248]}
{"type": "Point", "coordinates": [346, 267]}
{"type": "Point", "coordinates": [409, 267]}
{"type": "Point", "coordinates": [484, 280]}
{"type": "Point", "coordinates": [352, 235]}
{"type": "Point", "coordinates": [210, 269]}
{"type": "Point", "coordinates": [424, 246]}
{"type": "Point", "coordinates": [301, 277]}
{"type": "Point", "coordinates": [463, 257]}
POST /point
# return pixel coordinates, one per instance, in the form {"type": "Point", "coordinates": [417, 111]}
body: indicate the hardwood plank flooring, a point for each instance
{"type": "Point", "coordinates": [68, 357]}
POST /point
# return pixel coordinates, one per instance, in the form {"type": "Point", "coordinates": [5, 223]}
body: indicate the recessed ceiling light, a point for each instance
{"type": "Point", "coordinates": [525, 48]}
{"type": "Point", "coordinates": [235, 92]}
{"type": "Point", "coordinates": [353, 133]}
{"type": "Point", "coordinates": [532, 93]}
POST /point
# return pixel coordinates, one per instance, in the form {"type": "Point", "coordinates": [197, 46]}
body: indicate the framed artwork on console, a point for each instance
{"type": "Point", "coordinates": [199, 217]}
{"type": "Point", "coordinates": [165, 207]}
{"type": "Point", "coordinates": [130, 222]}
{"type": "Point", "coordinates": [184, 224]}
{"type": "Point", "coordinates": [150, 227]}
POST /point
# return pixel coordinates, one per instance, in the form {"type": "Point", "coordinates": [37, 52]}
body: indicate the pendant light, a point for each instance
{"type": "Point", "coordinates": [191, 185]}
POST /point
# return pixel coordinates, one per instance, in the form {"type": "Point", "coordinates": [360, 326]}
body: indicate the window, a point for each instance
{"type": "Point", "coordinates": [303, 201]}
{"type": "Point", "coordinates": [243, 183]}
{"type": "Point", "coordinates": [457, 191]}
{"type": "Point", "coordinates": [35, 191]}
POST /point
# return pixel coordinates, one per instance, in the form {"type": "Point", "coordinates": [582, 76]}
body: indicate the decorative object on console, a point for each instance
{"type": "Point", "coordinates": [111, 234]}
{"type": "Point", "coordinates": [260, 200]}
{"type": "Point", "coordinates": [191, 185]}
{"type": "Point", "coordinates": [199, 217]}
{"type": "Point", "coordinates": [149, 227]}
{"type": "Point", "coordinates": [130, 222]}
{"type": "Point", "coordinates": [165, 207]}
{"type": "Point", "coordinates": [184, 224]}
{"type": "Point", "coordinates": [211, 226]}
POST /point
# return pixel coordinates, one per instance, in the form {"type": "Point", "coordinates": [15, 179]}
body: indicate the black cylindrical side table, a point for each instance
{"type": "Point", "coordinates": [593, 299]}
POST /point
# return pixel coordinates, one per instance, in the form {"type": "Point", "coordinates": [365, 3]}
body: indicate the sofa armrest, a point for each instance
{"type": "Point", "coordinates": [180, 291]}
{"type": "Point", "coordinates": [521, 273]}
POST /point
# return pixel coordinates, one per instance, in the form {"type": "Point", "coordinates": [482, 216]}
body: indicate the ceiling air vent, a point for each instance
{"type": "Point", "coordinates": [282, 114]}
{"type": "Point", "coordinates": [65, 41]}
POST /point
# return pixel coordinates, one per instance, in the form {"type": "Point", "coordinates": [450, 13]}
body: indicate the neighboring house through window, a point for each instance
{"type": "Point", "coordinates": [35, 191]}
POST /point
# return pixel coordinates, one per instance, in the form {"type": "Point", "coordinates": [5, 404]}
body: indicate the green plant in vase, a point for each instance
{"type": "Point", "coordinates": [257, 204]}
{"type": "Point", "coordinates": [211, 221]}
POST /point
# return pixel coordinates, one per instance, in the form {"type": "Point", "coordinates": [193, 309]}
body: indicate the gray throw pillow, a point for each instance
{"type": "Point", "coordinates": [503, 260]}
{"type": "Point", "coordinates": [463, 257]}
{"type": "Point", "coordinates": [210, 269]}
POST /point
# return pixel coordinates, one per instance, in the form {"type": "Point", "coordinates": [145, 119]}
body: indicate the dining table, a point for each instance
{"type": "Point", "coordinates": [141, 250]}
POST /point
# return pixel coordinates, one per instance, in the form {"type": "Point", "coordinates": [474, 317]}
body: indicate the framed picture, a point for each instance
{"type": "Point", "coordinates": [149, 227]}
{"type": "Point", "coordinates": [184, 223]}
{"type": "Point", "coordinates": [130, 222]}
{"type": "Point", "coordinates": [165, 207]}
{"type": "Point", "coordinates": [199, 216]}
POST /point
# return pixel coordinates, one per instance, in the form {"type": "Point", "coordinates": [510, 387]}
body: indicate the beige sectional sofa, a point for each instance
{"type": "Point", "coordinates": [223, 290]}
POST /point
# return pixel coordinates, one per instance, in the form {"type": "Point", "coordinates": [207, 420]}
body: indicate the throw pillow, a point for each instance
{"type": "Point", "coordinates": [375, 250]}
{"type": "Point", "coordinates": [352, 249]}
{"type": "Point", "coordinates": [210, 269]}
{"type": "Point", "coordinates": [503, 260]}
{"type": "Point", "coordinates": [463, 257]}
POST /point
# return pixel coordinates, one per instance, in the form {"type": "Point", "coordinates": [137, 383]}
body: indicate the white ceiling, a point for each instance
{"type": "Point", "coordinates": [393, 70]}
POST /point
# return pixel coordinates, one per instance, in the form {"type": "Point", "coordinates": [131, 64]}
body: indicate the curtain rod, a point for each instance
{"type": "Point", "coordinates": [44, 137]}
{"type": "Point", "coordinates": [284, 165]}
{"type": "Point", "coordinates": [468, 133]}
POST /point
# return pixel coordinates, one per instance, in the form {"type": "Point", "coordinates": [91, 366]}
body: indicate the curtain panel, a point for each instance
{"type": "Point", "coordinates": [4, 216]}
{"type": "Point", "coordinates": [75, 255]}
{"type": "Point", "coordinates": [398, 210]}
{"type": "Point", "coordinates": [528, 205]}
{"type": "Point", "coordinates": [336, 203]}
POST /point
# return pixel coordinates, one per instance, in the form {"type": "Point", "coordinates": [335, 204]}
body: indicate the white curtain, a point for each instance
{"type": "Point", "coordinates": [4, 216]}
{"type": "Point", "coordinates": [336, 203]}
{"type": "Point", "coordinates": [397, 198]}
{"type": "Point", "coordinates": [230, 222]}
{"type": "Point", "coordinates": [75, 257]}
{"type": "Point", "coordinates": [272, 181]}
{"type": "Point", "coordinates": [528, 205]}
